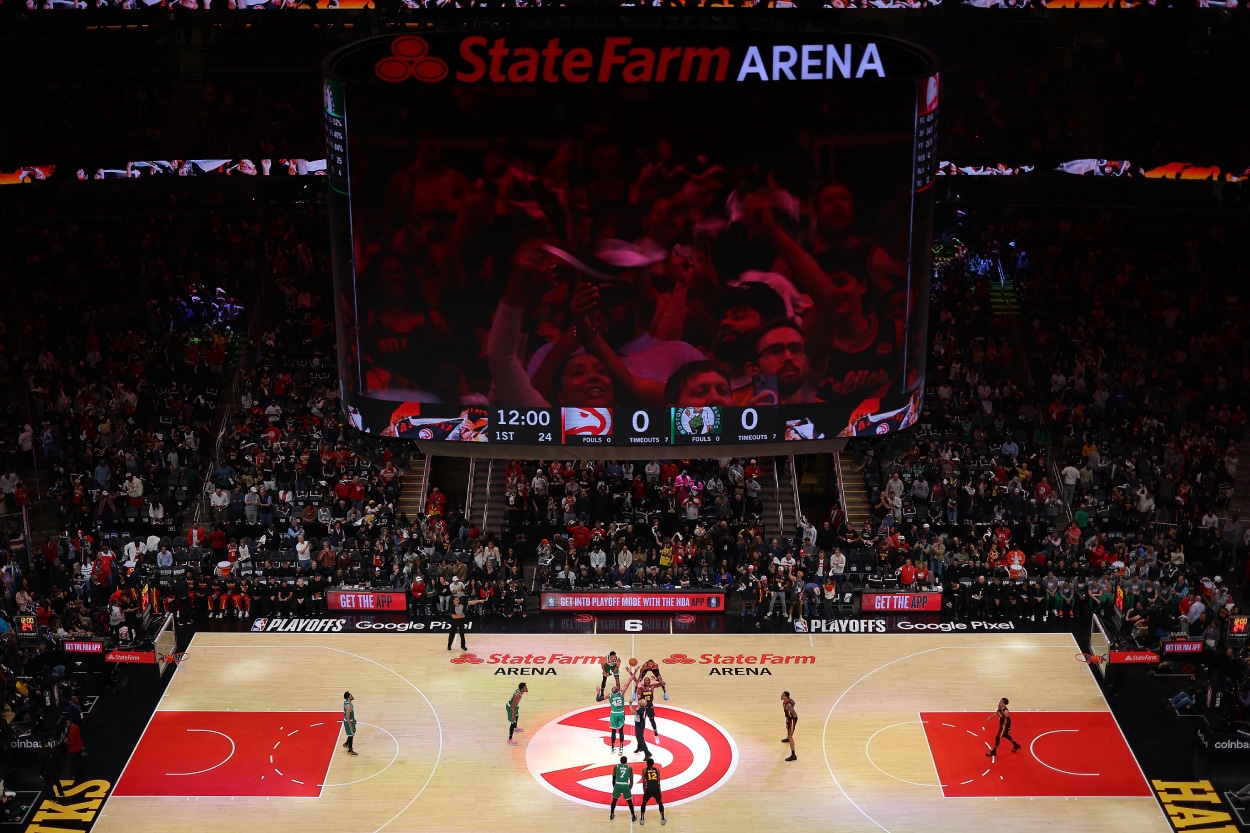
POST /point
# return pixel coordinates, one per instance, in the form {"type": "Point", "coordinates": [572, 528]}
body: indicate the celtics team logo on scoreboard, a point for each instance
{"type": "Point", "coordinates": [702, 421]}
{"type": "Point", "coordinates": [569, 756]}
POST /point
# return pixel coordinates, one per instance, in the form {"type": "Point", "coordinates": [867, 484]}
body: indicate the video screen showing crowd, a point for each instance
{"type": "Point", "coordinates": [548, 264]}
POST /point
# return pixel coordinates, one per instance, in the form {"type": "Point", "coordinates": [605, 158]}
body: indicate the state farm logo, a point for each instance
{"type": "Point", "coordinates": [410, 58]}
{"type": "Point", "coordinates": [467, 659]}
{"type": "Point", "coordinates": [569, 756]}
{"type": "Point", "coordinates": [741, 659]}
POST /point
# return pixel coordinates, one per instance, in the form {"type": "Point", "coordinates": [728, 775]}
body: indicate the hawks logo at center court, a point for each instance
{"type": "Point", "coordinates": [569, 756]}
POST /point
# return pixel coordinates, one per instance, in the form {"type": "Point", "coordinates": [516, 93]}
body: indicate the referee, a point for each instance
{"type": "Point", "coordinates": [640, 730]}
{"type": "Point", "coordinates": [459, 611]}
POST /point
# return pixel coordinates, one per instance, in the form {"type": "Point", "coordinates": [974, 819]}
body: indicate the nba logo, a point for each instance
{"type": "Point", "coordinates": [259, 625]}
{"type": "Point", "coordinates": [800, 626]}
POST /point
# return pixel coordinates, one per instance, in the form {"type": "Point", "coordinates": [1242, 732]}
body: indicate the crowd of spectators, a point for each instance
{"type": "Point", "coordinates": [1094, 474]}
{"type": "Point", "coordinates": [633, 524]}
{"type": "Point", "coordinates": [116, 353]}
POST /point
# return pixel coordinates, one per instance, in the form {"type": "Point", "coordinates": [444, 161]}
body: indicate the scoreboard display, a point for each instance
{"type": "Point", "coordinates": [706, 425]}
{"type": "Point", "coordinates": [515, 303]}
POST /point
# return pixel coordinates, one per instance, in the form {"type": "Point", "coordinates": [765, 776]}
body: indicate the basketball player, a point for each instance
{"type": "Point", "coordinates": [645, 709]}
{"type": "Point", "coordinates": [622, 787]}
{"type": "Point", "coordinates": [650, 667]}
{"type": "Point", "coordinates": [616, 717]}
{"type": "Point", "coordinates": [611, 668]}
{"type": "Point", "coordinates": [349, 721]}
{"type": "Point", "coordinates": [513, 707]}
{"type": "Point", "coordinates": [792, 720]}
{"type": "Point", "coordinates": [1004, 728]}
{"type": "Point", "coordinates": [650, 790]}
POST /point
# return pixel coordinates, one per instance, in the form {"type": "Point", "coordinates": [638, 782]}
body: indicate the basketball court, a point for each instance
{"type": "Point", "coordinates": [892, 736]}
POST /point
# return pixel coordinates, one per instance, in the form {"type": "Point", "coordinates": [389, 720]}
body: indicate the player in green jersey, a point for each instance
{"type": "Point", "coordinates": [616, 717]}
{"type": "Point", "coordinates": [611, 668]}
{"type": "Point", "coordinates": [623, 785]}
{"type": "Point", "coordinates": [349, 722]}
{"type": "Point", "coordinates": [513, 708]}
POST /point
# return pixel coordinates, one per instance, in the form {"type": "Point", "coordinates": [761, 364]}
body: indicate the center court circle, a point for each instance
{"type": "Point", "coordinates": [569, 756]}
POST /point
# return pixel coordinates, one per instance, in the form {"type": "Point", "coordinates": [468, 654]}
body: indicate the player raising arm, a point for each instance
{"type": "Point", "coordinates": [611, 668]}
{"type": "Point", "coordinates": [649, 667]}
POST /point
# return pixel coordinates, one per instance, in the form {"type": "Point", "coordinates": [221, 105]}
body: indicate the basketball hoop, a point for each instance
{"type": "Point", "coordinates": [174, 659]}
{"type": "Point", "coordinates": [1089, 659]}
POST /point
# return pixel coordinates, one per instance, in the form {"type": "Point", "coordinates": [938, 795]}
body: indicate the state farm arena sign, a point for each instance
{"type": "Point", "coordinates": [567, 756]}
{"type": "Point", "coordinates": [527, 665]}
{"type": "Point", "coordinates": [562, 57]}
{"type": "Point", "coordinates": [739, 665]}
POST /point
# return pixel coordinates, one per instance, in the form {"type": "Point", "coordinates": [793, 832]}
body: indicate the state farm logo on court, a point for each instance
{"type": "Point", "coordinates": [569, 756]}
{"type": "Point", "coordinates": [527, 665]}
{"type": "Point", "coordinates": [740, 665]}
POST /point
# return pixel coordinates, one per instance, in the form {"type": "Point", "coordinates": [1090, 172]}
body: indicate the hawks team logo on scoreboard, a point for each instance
{"type": "Point", "coordinates": [569, 756]}
{"type": "Point", "coordinates": [587, 422]}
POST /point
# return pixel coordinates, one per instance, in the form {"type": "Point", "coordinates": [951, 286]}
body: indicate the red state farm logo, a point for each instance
{"type": "Point", "coordinates": [467, 659]}
{"type": "Point", "coordinates": [410, 58]}
{"type": "Point", "coordinates": [677, 659]}
{"type": "Point", "coordinates": [695, 756]}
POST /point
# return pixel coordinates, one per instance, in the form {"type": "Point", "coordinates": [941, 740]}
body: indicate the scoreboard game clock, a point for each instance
{"type": "Point", "coordinates": [529, 426]}
{"type": "Point", "coordinates": [26, 626]}
{"type": "Point", "coordinates": [1238, 631]}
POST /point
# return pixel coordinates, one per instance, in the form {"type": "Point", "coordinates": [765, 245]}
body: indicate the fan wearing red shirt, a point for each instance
{"type": "Point", "coordinates": [907, 575]}
{"type": "Point", "coordinates": [389, 474]}
{"type": "Point", "coordinates": [358, 493]}
{"type": "Point", "coordinates": [579, 535]}
{"type": "Point", "coordinates": [1015, 564]}
{"type": "Point", "coordinates": [436, 505]}
{"type": "Point", "coordinates": [1044, 490]}
{"type": "Point", "coordinates": [752, 470]}
{"type": "Point", "coordinates": [343, 489]}
{"type": "Point", "coordinates": [102, 569]}
{"type": "Point", "coordinates": [217, 543]}
{"type": "Point", "coordinates": [416, 595]}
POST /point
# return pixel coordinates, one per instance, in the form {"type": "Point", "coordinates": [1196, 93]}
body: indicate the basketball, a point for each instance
{"type": "Point", "coordinates": [633, 662]}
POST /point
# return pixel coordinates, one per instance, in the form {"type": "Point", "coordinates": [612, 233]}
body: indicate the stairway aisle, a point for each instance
{"type": "Point", "coordinates": [1241, 485]}
{"type": "Point", "coordinates": [1004, 299]}
{"type": "Point", "coordinates": [858, 505]}
{"type": "Point", "coordinates": [409, 501]}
